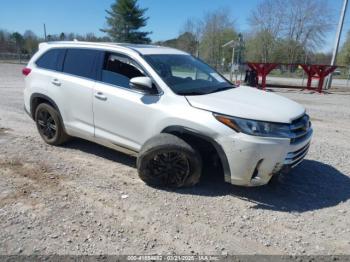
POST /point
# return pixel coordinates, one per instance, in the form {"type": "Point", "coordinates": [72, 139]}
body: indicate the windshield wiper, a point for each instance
{"type": "Point", "coordinates": [191, 93]}
{"type": "Point", "coordinates": [194, 93]}
{"type": "Point", "coordinates": [222, 88]}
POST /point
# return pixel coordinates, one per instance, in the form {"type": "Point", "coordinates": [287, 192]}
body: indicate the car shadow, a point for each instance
{"type": "Point", "coordinates": [101, 151]}
{"type": "Point", "coordinates": [310, 186]}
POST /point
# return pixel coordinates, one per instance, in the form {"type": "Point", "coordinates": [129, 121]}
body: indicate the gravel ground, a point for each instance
{"type": "Point", "coordinates": [86, 199]}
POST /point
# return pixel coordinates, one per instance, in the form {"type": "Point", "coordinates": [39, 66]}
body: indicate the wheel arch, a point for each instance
{"type": "Point", "coordinates": [189, 135]}
{"type": "Point", "coordinates": [36, 99]}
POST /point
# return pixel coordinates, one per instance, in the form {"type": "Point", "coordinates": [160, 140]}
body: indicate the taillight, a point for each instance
{"type": "Point", "coordinates": [26, 71]}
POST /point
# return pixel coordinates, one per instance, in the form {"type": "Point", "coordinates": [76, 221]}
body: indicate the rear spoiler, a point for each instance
{"type": "Point", "coordinates": [42, 45]}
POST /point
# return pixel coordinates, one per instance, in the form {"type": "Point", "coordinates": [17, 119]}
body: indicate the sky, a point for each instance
{"type": "Point", "coordinates": [166, 17]}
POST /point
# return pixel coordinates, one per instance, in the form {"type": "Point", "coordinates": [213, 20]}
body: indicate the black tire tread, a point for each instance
{"type": "Point", "coordinates": [169, 142]}
{"type": "Point", "coordinates": [62, 136]}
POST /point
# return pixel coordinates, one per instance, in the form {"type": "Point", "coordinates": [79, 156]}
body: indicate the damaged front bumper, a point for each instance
{"type": "Point", "coordinates": [254, 160]}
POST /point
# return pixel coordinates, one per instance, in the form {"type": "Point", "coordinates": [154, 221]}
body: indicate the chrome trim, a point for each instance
{"type": "Point", "coordinates": [300, 128]}
{"type": "Point", "coordinates": [298, 152]}
{"type": "Point", "coordinates": [297, 163]}
{"type": "Point", "coordinates": [294, 158]}
{"type": "Point", "coordinates": [104, 83]}
{"type": "Point", "coordinates": [160, 91]}
{"type": "Point", "coordinates": [130, 90]}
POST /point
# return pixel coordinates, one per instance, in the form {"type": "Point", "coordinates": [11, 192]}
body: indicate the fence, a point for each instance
{"type": "Point", "coordinates": [16, 58]}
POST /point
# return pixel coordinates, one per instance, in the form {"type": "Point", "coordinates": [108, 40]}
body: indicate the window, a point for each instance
{"type": "Point", "coordinates": [186, 75]}
{"type": "Point", "coordinates": [52, 59]}
{"type": "Point", "coordinates": [119, 69]}
{"type": "Point", "coordinates": [80, 62]}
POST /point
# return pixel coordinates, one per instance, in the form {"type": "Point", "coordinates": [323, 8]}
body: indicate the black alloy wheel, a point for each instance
{"type": "Point", "coordinates": [49, 124]}
{"type": "Point", "coordinates": [46, 124]}
{"type": "Point", "coordinates": [172, 168]}
{"type": "Point", "coordinates": [166, 160]}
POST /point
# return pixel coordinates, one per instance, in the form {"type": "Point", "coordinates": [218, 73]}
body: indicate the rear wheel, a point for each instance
{"type": "Point", "coordinates": [49, 125]}
{"type": "Point", "coordinates": [169, 161]}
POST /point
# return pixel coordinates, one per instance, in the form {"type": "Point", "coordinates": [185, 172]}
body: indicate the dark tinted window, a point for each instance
{"type": "Point", "coordinates": [119, 69]}
{"type": "Point", "coordinates": [80, 62]}
{"type": "Point", "coordinates": [52, 59]}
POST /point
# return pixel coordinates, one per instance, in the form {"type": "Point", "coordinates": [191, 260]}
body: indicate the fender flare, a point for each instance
{"type": "Point", "coordinates": [38, 95]}
{"type": "Point", "coordinates": [51, 101]}
{"type": "Point", "coordinates": [216, 145]}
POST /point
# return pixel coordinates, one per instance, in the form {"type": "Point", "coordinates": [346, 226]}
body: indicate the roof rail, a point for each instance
{"type": "Point", "coordinates": [106, 44]}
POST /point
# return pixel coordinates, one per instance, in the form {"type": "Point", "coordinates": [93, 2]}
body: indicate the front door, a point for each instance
{"type": "Point", "coordinates": [122, 115]}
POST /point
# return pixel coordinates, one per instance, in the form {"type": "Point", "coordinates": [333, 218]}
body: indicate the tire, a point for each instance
{"type": "Point", "coordinates": [168, 161]}
{"type": "Point", "coordinates": [49, 125]}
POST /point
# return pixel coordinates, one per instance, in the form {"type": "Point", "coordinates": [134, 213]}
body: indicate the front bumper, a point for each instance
{"type": "Point", "coordinates": [254, 160]}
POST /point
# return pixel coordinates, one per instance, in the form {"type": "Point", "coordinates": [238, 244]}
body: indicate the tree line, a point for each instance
{"type": "Point", "coordinates": [27, 43]}
{"type": "Point", "coordinates": [284, 31]}
{"type": "Point", "coordinates": [280, 31]}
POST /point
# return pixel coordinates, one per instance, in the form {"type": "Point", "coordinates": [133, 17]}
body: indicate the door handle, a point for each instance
{"type": "Point", "coordinates": [100, 96]}
{"type": "Point", "coordinates": [56, 82]}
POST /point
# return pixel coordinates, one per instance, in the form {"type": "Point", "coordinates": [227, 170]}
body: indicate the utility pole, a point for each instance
{"type": "Point", "coordinates": [337, 39]}
{"type": "Point", "coordinates": [45, 32]}
{"type": "Point", "coordinates": [233, 44]}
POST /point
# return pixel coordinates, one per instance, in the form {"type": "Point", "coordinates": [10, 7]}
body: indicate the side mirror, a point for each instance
{"type": "Point", "coordinates": [141, 82]}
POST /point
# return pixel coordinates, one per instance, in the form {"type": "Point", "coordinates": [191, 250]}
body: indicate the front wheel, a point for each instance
{"type": "Point", "coordinates": [168, 161]}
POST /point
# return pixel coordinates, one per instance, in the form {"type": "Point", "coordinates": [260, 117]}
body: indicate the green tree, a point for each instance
{"type": "Point", "coordinates": [343, 57]}
{"type": "Point", "coordinates": [4, 37]}
{"type": "Point", "coordinates": [261, 47]}
{"type": "Point", "coordinates": [18, 40]}
{"type": "Point", "coordinates": [320, 58]}
{"type": "Point", "coordinates": [124, 20]}
{"type": "Point", "coordinates": [30, 42]}
{"type": "Point", "coordinates": [62, 36]}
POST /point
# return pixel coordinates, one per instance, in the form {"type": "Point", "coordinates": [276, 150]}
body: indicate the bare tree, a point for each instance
{"type": "Point", "coordinates": [305, 25]}
{"type": "Point", "coordinates": [266, 22]}
{"type": "Point", "coordinates": [296, 26]}
{"type": "Point", "coordinates": [268, 17]}
{"type": "Point", "coordinates": [193, 29]}
{"type": "Point", "coordinates": [218, 28]}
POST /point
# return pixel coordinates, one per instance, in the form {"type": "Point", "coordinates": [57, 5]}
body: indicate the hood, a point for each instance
{"type": "Point", "coordinates": [250, 103]}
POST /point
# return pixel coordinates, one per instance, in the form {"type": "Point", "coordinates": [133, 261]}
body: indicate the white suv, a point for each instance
{"type": "Point", "coordinates": [164, 106]}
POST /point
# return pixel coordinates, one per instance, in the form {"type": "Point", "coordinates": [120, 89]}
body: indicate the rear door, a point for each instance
{"type": "Point", "coordinates": [74, 88]}
{"type": "Point", "coordinates": [48, 67]}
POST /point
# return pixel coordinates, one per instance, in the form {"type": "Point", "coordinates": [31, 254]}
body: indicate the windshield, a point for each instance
{"type": "Point", "coordinates": [186, 75]}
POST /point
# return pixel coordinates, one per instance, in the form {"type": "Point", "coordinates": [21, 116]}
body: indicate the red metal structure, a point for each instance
{"type": "Point", "coordinates": [313, 71]}
{"type": "Point", "coordinates": [319, 72]}
{"type": "Point", "coordinates": [262, 69]}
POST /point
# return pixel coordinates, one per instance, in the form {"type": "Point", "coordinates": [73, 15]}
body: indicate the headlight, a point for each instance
{"type": "Point", "coordinates": [255, 128]}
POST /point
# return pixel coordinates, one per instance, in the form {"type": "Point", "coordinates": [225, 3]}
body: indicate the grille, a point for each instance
{"type": "Point", "coordinates": [300, 129]}
{"type": "Point", "coordinates": [294, 158]}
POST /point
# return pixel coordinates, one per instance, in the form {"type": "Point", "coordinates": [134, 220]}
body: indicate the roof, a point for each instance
{"type": "Point", "coordinates": [140, 48]}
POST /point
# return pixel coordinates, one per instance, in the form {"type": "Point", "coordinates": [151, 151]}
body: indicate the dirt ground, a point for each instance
{"type": "Point", "coordinates": [86, 199]}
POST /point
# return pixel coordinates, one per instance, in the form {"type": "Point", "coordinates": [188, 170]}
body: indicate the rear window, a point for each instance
{"type": "Point", "coordinates": [80, 62]}
{"type": "Point", "coordinates": [52, 59]}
